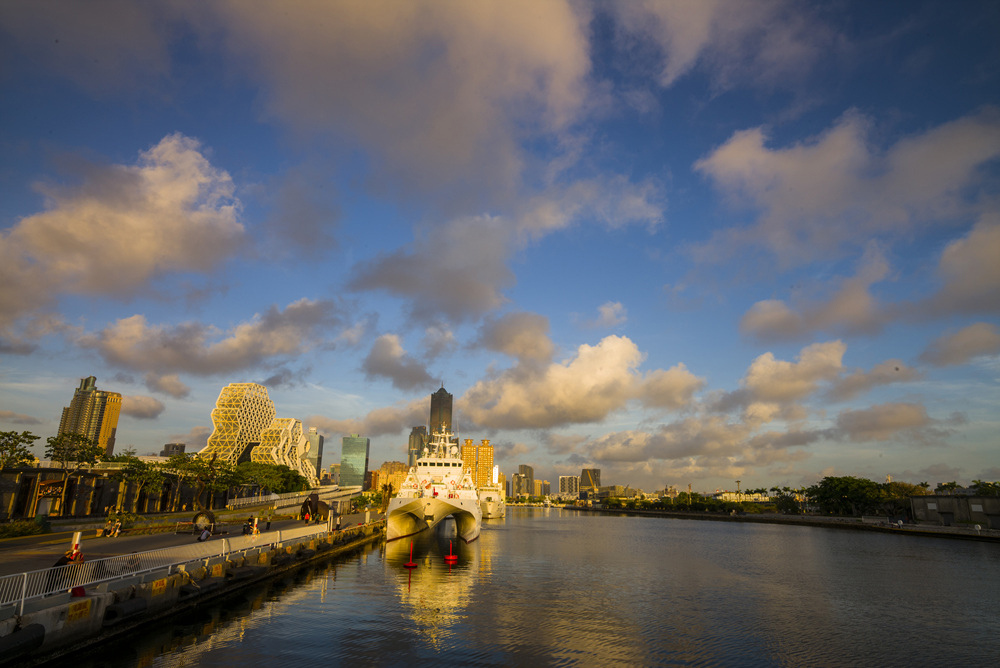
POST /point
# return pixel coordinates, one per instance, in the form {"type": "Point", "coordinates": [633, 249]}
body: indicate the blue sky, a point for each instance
{"type": "Point", "coordinates": [682, 242]}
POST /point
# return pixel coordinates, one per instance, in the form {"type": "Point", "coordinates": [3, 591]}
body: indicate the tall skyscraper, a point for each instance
{"type": "Point", "coordinates": [315, 448]}
{"type": "Point", "coordinates": [528, 473]}
{"type": "Point", "coordinates": [569, 484]}
{"type": "Point", "coordinates": [414, 449]}
{"type": "Point", "coordinates": [441, 402]}
{"type": "Point", "coordinates": [354, 460]}
{"type": "Point", "coordinates": [478, 460]}
{"type": "Point", "coordinates": [93, 413]}
{"type": "Point", "coordinates": [590, 480]}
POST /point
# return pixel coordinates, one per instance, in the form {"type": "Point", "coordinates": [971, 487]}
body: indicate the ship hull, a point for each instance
{"type": "Point", "coordinates": [406, 517]}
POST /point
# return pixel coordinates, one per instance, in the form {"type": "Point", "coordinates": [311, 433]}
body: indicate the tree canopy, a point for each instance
{"type": "Point", "coordinates": [14, 448]}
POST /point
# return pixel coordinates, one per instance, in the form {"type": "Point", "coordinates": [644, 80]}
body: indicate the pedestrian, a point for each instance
{"type": "Point", "coordinates": [307, 517]}
{"type": "Point", "coordinates": [338, 522]}
{"type": "Point", "coordinates": [116, 529]}
{"type": "Point", "coordinates": [270, 514]}
{"type": "Point", "coordinates": [205, 535]}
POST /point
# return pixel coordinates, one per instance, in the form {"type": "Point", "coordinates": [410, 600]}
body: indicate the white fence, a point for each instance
{"type": "Point", "coordinates": [21, 587]}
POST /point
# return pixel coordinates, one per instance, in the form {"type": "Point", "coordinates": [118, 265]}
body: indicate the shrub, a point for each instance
{"type": "Point", "coordinates": [22, 528]}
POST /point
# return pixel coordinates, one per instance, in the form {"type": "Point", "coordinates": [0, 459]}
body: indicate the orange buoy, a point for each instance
{"type": "Point", "coordinates": [450, 558]}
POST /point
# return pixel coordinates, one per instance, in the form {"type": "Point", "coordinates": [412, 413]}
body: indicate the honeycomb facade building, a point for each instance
{"type": "Point", "coordinates": [245, 429]}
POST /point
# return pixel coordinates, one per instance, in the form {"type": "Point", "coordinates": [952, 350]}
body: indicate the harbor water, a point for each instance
{"type": "Point", "coordinates": [550, 587]}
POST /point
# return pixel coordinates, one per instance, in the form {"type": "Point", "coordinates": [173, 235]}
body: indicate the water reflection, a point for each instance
{"type": "Point", "coordinates": [434, 594]}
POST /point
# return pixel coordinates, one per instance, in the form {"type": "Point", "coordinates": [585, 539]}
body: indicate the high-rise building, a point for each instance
{"type": "Point", "coordinates": [315, 454]}
{"type": "Point", "coordinates": [478, 460]}
{"type": "Point", "coordinates": [171, 449]}
{"type": "Point", "coordinates": [528, 473]}
{"type": "Point", "coordinates": [519, 486]}
{"type": "Point", "coordinates": [415, 448]}
{"type": "Point", "coordinates": [93, 413]}
{"type": "Point", "coordinates": [394, 473]}
{"type": "Point", "coordinates": [569, 484]}
{"type": "Point", "coordinates": [354, 460]}
{"type": "Point", "coordinates": [441, 402]}
{"type": "Point", "coordinates": [590, 480]}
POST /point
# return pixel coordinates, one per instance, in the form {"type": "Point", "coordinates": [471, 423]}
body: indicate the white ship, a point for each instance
{"type": "Point", "coordinates": [437, 487]}
{"type": "Point", "coordinates": [492, 499]}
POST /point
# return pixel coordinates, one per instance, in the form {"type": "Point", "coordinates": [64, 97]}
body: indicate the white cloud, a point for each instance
{"type": "Point", "coordinates": [818, 196]}
{"type": "Point", "coordinates": [959, 347]}
{"type": "Point", "coordinates": [524, 336]}
{"type": "Point", "coordinates": [883, 422]}
{"type": "Point", "coordinates": [852, 309]}
{"type": "Point", "coordinates": [142, 408]}
{"type": "Point", "coordinates": [762, 43]}
{"type": "Point", "coordinates": [586, 388]}
{"type": "Point", "coordinates": [390, 420]}
{"type": "Point", "coordinates": [859, 382]}
{"type": "Point", "coordinates": [123, 226]}
{"type": "Point", "coordinates": [610, 314]}
{"type": "Point", "coordinates": [188, 347]}
{"type": "Point", "coordinates": [971, 273]}
{"type": "Point", "coordinates": [388, 359]}
{"type": "Point", "coordinates": [168, 384]}
{"type": "Point", "coordinates": [769, 379]}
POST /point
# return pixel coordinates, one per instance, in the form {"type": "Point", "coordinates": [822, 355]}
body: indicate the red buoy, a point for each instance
{"type": "Point", "coordinates": [450, 558]}
{"type": "Point", "coordinates": [410, 564]}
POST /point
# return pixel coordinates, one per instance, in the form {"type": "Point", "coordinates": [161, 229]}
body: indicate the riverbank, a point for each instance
{"type": "Point", "coordinates": [847, 523]}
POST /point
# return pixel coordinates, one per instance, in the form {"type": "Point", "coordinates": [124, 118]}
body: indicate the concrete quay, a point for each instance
{"type": "Point", "coordinates": [43, 629]}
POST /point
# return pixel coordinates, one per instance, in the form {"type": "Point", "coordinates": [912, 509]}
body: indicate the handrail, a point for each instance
{"type": "Point", "coordinates": [21, 587]}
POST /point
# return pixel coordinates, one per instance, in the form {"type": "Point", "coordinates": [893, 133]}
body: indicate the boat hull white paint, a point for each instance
{"type": "Point", "coordinates": [406, 517]}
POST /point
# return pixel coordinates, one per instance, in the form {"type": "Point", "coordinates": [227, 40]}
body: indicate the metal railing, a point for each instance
{"type": "Point", "coordinates": [21, 587]}
{"type": "Point", "coordinates": [262, 499]}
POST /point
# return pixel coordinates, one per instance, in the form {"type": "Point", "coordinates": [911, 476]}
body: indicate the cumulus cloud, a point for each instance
{"type": "Point", "coordinates": [970, 272]}
{"type": "Point", "coordinates": [959, 347]}
{"type": "Point", "coordinates": [388, 359]}
{"type": "Point", "coordinates": [761, 43]}
{"type": "Point", "coordinates": [883, 422]}
{"type": "Point", "coordinates": [588, 387]}
{"type": "Point", "coordinates": [609, 314]}
{"type": "Point", "coordinates": [438, 340]}
{"type": "Point", "coordinates": [818, 196]}
{"type": "Point", "coordinates": [133, 344]}
{"type": "Point", "coordinates": [10, 417]}
{"type": "Point", "coordinates": [457, 270]}
{"type": "Point", "coordinates": [858, 382]}
{"type": "Point", "coordinates": [852, 309]}
{"type": "Point", "coordinates": [769, 379]}
{"type": "Point", "coordinates": [471, 77]}
{"type": "Point", "coordinates": [612, 201]}
{"type": "Point", "coordinates": [172, 211]}
{"type": "Point", "coordinates": [142, 408]}
{"type": "Point", "coordinates": [524, 336]}
{"type": "Point", "coordinates": [196, 439]}
{"type": "Point", "coordinates": [167, 384]}
{"type": "Point", "coordinates": [386, 421]}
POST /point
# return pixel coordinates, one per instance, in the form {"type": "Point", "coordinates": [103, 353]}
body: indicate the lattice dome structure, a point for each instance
{"type": "Point", "coordinates": [241, 413]}
{"type": "Point", "coordinates": [283, 442]}
{"type": "Point", "coordinates": [244, 415]}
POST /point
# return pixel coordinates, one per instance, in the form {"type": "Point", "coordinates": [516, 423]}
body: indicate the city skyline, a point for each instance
{"type": "Point", "coordinates": [681, 243]}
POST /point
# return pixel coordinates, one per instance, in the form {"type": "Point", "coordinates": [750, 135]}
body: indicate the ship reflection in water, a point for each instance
{"type": "Point", "coordinates": [435, 594]}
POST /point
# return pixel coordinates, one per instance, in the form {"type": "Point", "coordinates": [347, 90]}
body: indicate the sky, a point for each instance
{"type": "Point", "coordinates": [686, 243]}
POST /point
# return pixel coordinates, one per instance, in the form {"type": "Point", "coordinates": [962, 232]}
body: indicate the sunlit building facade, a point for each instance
{"type": "Point", "coordinates": [590, 480]}
{"type": "Point", "coordinates": [478, 460]}
{"type": "Point", "coordinates": [569, 484]}
{"type": "Point", "coordinates": [245, 429]}
{"type": "Point", "coordinates": [93, 413]}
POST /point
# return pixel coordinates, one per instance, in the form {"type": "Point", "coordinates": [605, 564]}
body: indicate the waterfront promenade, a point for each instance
{"type": "Point", "coordinates": [31, 553]}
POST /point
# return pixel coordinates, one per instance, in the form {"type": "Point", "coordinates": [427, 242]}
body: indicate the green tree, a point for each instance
{"type": "Point", "coordinates": [986, 488]}
{"type": "Point", "coordinates": [211, 475]}
{"type": "Point", "coordinates": [139, 475]}
{"type": "Point", "coordinates": [72, 452]}
{"type": "Point", "coordinates": [946, 487]}
{"type": "Point", "coordinates": [895, 497]}
{"type": "Point", "coordinates": [14, 450]}
{"type": "Point", "coordinates": [845, 495]}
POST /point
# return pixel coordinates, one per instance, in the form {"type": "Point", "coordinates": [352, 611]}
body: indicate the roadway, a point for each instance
{"type": "Point", "coordinates": [30, 553]}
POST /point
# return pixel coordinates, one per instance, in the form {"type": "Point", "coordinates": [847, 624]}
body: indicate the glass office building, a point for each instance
{"type": "Point", "coordinates": [354, 460]}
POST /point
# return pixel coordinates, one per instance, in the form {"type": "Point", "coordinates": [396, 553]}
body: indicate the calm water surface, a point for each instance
{"type": "Point", "coordinates": [563, 588]}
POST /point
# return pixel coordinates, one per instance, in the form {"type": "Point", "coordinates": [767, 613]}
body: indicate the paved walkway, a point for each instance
{"type": "Point", "coordinates": [29, 553]}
